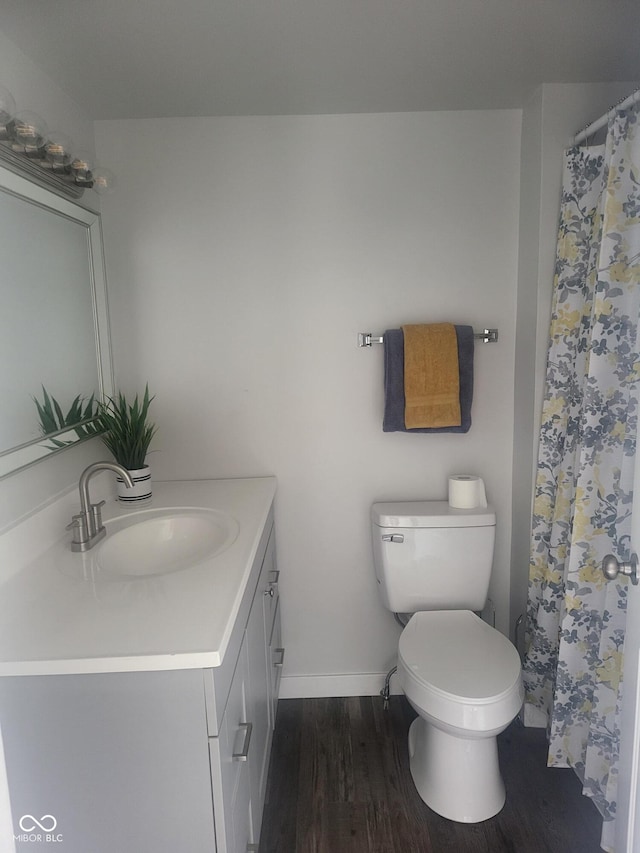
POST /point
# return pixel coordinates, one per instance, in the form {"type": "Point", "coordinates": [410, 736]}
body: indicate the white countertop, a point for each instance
{"type": "Point", "coordinates": [56, 618]}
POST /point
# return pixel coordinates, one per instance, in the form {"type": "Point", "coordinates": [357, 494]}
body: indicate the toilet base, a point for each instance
{"type": "Point", "coordinates": [457, 777]}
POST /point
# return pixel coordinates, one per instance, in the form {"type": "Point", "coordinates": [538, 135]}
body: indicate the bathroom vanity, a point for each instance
{"type": "Point", "coordinates": [137, 710]}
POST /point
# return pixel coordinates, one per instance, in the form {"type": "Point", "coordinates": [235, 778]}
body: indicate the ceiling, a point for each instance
{"type": "Point", "coordinates": [157, 58]}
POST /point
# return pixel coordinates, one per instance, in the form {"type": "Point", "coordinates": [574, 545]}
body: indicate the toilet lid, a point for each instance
{"type": "Point", "coordinates": [456, 654]}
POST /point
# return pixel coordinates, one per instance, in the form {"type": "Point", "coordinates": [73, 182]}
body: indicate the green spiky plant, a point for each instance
{"type": "Point", "coordinates": [78, 417]}
{"type": "Point", "coordinates": [127, 432]}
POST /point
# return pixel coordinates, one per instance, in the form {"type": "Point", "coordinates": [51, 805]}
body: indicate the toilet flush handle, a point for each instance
{"type": "Point", "coordinates": [393, 537]}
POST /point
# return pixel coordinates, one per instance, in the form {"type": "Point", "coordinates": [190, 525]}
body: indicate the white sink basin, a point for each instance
{"type": "Point", "coordinates": [159, 541]}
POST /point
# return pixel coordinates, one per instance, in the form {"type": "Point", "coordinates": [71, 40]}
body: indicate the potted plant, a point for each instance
{"type": "Point", "coordinates": [127, 433]}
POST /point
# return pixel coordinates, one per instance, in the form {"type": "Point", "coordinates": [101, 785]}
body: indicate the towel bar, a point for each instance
{"type": "Point", "coordinates": [366, 339]}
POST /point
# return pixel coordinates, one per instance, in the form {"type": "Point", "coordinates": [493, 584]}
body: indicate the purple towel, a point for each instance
{"type": "Point", "coordinates": [393, 420]}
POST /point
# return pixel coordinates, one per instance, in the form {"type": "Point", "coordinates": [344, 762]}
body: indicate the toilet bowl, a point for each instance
{"type": "Point", "coordinates": [463, 679]}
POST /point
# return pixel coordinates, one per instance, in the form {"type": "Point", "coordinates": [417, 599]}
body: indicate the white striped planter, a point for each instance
{"type": "Point", "coordinates": [141, 490]}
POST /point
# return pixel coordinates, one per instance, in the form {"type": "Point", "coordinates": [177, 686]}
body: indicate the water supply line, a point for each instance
{"type": "Point", "coordinates": [386, 690]}
{"type": "Point", "coordinates": [402, 620]}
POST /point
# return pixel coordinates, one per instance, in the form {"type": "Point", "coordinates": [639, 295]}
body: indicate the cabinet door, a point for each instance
{"type": "Point", "coordinates": [119, 760]}
{"type": "Point", "coordinates": [230, 753]}
{"type": "Point", "coordinates": [259, 689]}
{"type": "Point", "coordinates": [275, 652]}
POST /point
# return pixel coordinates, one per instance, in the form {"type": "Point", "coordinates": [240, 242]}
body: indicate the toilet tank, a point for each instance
{"type": "Point", "coordinates": [430, 556]}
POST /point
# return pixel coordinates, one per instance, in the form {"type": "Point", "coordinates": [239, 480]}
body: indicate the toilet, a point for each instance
{"type": "Point", "coordinates": [460, 675]}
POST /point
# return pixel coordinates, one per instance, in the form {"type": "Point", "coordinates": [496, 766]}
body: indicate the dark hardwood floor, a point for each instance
{"type": "Point", "coordinates": [339, 782]}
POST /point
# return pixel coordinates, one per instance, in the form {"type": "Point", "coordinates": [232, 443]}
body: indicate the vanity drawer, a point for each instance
{"type": "Point", "coordinates": [276, 658]}
{"type": "Point", "coordinates": [230, 766]}
{"type": "Point", "coordinates": [270, 577]}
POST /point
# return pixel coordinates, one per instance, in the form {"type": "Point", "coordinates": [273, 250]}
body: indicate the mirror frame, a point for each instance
{"type": "Point", "coordinates": [24, 455]}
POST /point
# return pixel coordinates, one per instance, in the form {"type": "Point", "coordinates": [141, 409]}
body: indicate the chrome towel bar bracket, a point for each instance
{"type": "Point", "coordinates": [366, 339]}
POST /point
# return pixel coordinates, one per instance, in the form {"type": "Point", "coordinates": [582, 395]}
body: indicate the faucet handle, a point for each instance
{"type": "Point", "coordinates": [96, 512]}
{"type": "Point", "coordinates": [78, 524]}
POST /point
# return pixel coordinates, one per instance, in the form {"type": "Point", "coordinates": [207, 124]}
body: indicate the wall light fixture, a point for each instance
{"type": "Point", "coordinates": [48, 157]}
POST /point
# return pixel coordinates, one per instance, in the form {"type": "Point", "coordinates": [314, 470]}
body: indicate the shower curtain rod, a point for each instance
{"type": "Point", "coordinates": [595, 126]}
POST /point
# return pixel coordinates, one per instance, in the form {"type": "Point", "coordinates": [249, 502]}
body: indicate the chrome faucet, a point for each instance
{"type": "Point", "coordinates": [87, 525]}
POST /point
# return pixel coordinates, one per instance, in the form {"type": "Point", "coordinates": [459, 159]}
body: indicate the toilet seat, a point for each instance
{"type": "Point", "coordinates": [458, 670]}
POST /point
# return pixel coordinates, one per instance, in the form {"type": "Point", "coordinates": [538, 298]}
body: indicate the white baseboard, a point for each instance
{"type": "Point", "coordinates": [349, 684]}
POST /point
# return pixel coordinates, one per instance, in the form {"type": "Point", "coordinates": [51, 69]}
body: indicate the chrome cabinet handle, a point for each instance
{"type": "Point", "coordinates": [281, 653]}
{"type": "Point", "coordinates": [611, 568]}
{"type": "Point", "coordinates": [393, 537]}
{"type": "Point", "coordinates": [244, 752]}
{"type": "Point", "coordinates": [271, 589]}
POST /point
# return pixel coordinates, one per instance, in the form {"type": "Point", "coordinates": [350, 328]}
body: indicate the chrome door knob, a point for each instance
{"type": "Point", "coordinates": [611, 568]}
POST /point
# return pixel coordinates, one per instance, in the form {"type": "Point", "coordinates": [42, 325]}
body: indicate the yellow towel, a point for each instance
{"type": "Point", "coordinates": [431, 376]}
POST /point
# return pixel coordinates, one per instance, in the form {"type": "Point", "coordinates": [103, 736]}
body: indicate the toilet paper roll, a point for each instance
{"type": "Point", "coordinates": [466, 491]}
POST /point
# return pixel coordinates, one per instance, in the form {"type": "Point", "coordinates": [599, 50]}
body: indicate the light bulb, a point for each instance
{"type": "Point", "coordinates": [104, 180]}
{"type": "Point", "coordinates": [30, 132]}
{"type": "Point", "coordinates": [58, 150]}
{"type": "Point", "coordinates": [81, 167]}
{"type": "Point", "coordinates": [7, 112]}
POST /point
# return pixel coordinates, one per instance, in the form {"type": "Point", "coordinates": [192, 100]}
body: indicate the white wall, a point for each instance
{"type": "Point", "coordinates": [551, 118]}
{"type": "Point", "coordinates": [244, 255]}
{"type": "Point", "coordinates": [33, 90]}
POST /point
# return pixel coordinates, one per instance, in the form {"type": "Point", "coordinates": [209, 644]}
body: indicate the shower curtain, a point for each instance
{"type": "Point", "coordinates": [584, 485]}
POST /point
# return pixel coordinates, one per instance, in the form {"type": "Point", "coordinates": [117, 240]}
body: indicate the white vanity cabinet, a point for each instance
{"type": "Point", "coordinates": [163, 760]}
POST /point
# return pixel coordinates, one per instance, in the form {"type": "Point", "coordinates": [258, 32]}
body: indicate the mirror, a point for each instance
{"type": "Point", "coordinates": [55, 358]}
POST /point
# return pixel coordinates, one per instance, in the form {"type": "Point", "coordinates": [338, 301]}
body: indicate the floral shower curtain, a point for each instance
{"type": "Point", "coordinates": [584, 486]}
